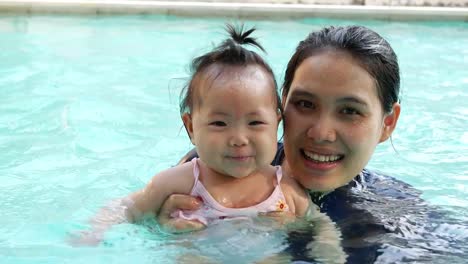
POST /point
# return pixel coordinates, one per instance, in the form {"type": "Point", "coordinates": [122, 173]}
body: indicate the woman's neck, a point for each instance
{"type": "Point", "coordinates": [315, 195]}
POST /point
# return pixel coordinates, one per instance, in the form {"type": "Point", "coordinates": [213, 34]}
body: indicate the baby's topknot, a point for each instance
{"type": "Point", "coordinates": [240, 37]}
{"type": "Point", "coordinates": [231, 52]}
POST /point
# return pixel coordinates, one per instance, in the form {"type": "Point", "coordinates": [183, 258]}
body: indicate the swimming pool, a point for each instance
{"type": "Point", "coordinates": [89, 112]}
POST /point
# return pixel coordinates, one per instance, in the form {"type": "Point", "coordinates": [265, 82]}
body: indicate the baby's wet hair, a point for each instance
{"type": "Point", "coordinates": [231, 52]}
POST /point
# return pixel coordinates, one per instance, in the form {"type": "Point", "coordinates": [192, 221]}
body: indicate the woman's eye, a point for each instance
{"type": "Point", "coordinates": [218, 123]}
{"type": "Point", "coordinates": [304, 104]}
{"type": "Point", "coordinates": [350, 111]}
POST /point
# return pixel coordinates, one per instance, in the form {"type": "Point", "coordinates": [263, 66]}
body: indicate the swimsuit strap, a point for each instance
{"type": "Point", "coordinates": [279, 175]}
{"type": "Point", "coordinates": [196, 169]}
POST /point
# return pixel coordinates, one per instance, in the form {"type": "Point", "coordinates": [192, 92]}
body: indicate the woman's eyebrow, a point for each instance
{"type": "Point", "coordinates": [352, 99]}
{"type": "Point", "coordinates": [345, 99]}
{"type": "Point", "coordinates": [302, 93]}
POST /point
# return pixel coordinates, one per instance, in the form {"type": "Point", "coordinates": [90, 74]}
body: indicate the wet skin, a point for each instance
{"type": "Point", "coordinates": [333, 121]}
{"type": "Point", "coordinates": [234, 124]}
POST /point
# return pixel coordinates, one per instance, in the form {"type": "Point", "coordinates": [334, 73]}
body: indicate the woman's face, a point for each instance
{"type": "Point", "coordinates": [333, 121]}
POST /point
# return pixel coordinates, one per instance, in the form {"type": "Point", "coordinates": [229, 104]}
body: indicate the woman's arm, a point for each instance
{"type": "Point", "coordinates": [325, 244]}
{"type": "Point", "coordinates": [296, 197]}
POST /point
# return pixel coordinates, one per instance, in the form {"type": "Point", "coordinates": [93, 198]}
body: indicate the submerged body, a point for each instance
{"type": "Point", "coordinates": [383, 220]}
{"type": "Point", "coordinates": [380, 220]}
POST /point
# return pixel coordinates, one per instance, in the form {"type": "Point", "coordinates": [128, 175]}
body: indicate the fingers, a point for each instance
{"type": "Point", "coordinates": [278, 214]}
{"type": "Point", "coordinates": [276, 259]}
{"type": "Point", "coordinates": [178, 225]}
{"type": "Point", "coordinates": [179, 202]}
{"type": "Point", "coordinates": [281, 217]}
{"type": "Point", "coordinates": [85, 238]}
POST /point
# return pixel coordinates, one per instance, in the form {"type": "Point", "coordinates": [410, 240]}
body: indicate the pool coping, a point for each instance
{"type": "Point", "coordinates": [232, 10]}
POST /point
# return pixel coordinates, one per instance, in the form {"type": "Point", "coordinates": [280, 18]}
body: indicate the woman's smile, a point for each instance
{"type": "Point", "coordinates": [317, 157]}
{"type": "Point", "coordinates": [322, 162]}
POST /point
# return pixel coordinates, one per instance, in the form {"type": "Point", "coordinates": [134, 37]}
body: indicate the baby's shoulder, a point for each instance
{"type": "Point", "coordinates": [178, 178]}
{"type": "Point", "coordinates": [184, 169]}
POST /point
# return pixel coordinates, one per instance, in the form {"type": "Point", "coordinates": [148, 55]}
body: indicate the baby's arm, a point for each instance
{"type": "Point", "coordinates": [176, 180]}
{"type": "Point", "coordinates": [147, 201]}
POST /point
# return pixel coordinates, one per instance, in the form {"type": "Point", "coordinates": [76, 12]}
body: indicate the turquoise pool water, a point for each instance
{"type": "Point", "coordinates": [89, 112]}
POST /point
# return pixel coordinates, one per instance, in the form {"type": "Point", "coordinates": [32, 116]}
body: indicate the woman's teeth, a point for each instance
{"type": "Point", "coordinates": [321, 158]}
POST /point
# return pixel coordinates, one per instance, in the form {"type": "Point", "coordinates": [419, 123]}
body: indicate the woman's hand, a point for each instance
{"type": "Point", "coordinates": [179, 202]}
{"type": "Point", "coordinates": [279, 217]}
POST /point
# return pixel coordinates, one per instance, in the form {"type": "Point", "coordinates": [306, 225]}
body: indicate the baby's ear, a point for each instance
{"type": "Point", "coordinates": [390, 121]}
{"type": "Point", "coordinates": [188, 124]}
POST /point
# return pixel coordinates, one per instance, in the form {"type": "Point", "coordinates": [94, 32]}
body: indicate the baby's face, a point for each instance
{"type": "Point", "coordinates": [235, 120]}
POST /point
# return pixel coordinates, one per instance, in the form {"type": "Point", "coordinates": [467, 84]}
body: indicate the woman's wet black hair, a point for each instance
{"type": "Point", "coordinates": [372, 51]}
{"type": "Point", "coordinates": [231, 52]}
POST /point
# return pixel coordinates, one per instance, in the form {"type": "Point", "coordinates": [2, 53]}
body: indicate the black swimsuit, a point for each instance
{"type": "Point", "coordinates": [382, 219]}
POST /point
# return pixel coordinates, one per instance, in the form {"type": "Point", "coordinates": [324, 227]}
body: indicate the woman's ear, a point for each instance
{"type": "Point", "coordinates": [283, 101]}
{"type": "Point", "coordinates": [188, 124]}
{"type": "Point", "coordinates": [279, 116]}
{"type": "Point", "coordinates": [390, 121]}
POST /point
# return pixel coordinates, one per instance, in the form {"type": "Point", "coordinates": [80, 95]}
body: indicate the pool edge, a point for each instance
{"type": "Point", "coordinates": [232, 10]}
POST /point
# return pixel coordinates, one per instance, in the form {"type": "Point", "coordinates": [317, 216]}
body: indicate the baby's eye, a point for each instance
{"type": "Point", "coordinates": [218, 124]}
{"type": "Point", "coordinates": [256, 123]}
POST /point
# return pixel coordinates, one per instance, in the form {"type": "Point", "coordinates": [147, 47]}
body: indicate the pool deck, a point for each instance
{"type": "Point", "coordinates": [231, 10]}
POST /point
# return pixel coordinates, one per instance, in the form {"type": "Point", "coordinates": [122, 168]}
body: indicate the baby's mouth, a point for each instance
{"type": "Point", "coordinates": [239, 157]}
{"type": "Point", "coordinates": [315, 157]}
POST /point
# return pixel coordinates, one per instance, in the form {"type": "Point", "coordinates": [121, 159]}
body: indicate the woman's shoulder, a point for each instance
{"type": "Point", "coordinates": [372, 210]}
{"type": "Point", "coordinates": [372, 192]}
{"type": "Point", "coordinates": [385, 185]}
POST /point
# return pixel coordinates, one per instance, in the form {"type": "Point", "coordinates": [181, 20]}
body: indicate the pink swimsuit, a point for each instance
{"type": "Point", "coordinates": [212, 211]}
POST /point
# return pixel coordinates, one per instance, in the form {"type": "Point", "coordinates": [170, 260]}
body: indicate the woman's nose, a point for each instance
{"type": "Point", "coordinates": [322, 130]}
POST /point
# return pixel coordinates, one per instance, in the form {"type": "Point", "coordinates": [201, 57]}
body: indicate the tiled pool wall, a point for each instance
{"type": "Point", "coordinates": [241, 9]}
{"type": "Point", "coordinates": [446, 3]}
